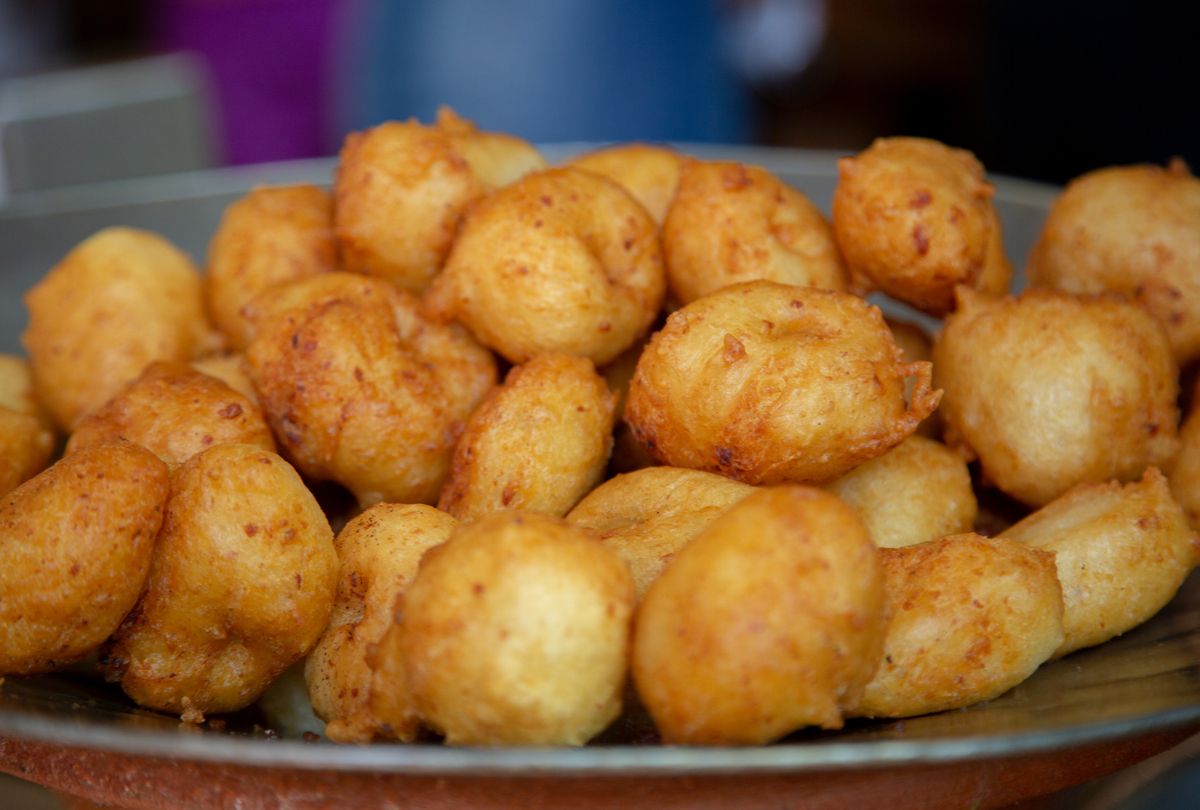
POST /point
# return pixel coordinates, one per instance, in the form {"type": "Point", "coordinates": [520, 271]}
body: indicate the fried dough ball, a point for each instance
{"type": "Point", "coordinates": [649, 173]}
{"type": "Point", "coordinates": [26, 432]}
{"type": "Point", "coordinates": [537, 443]}
{"type": "Point", "coordinates": [914, 218]}
{"type": "Point", "coordinates": [1122, 552]}
{"type": "Point", "coordinates": [360, 388]}
{"type": "Point", "coordinates": [378, 552]}
{"type": "Point", "coordinates": [1184, 470]}
{"type": "Point", "coordinates": [75, 548]}
{"type": "Point", "coordinates": [766, 383]}
{"type": "Point", "coordinates": [515, 632]}
{"type": "Point", "coordinates": [1133, 230]}
{"type": "Point", "coordinates": [229, 368]}
{"type": "Point", "coordinates": [241, 586]}
{"type": "Point", "coordinates": [731, 223]}
{"type": "Point", "coordinates": [971, 617]}
{"type": "Point", "coordinates": [769, 620]}
{"type": "Point", "coordinates": [915, 345]}
{"type": "Point", "coordinates": [1051, 390]}
{"type": "Point", "coordinates": [402, 187]}
{"type": "Point", "coordinates": [174, 412]}
{"type": "Point", "coordinates": [918, 491]}
{"type": "Point", "coordinates": [562, 260]}
{"type": "Point", "coordinates": [647, 516]}
{"type": "Point", "coordinates": [269, 236]}
{"type": "Point", "coordinates": [120, 300]}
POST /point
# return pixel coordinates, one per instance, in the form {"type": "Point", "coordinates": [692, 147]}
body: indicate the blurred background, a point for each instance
{"type": "Point", "coordinates": [1035, 89]}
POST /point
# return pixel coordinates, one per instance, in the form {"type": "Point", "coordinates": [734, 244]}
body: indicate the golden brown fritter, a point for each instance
{"type": "Point", "coordinates": [1051, 390]}
{"type": "Point", "coordinates": [562, 260]}
{"type": "Point", "coordinates": [769, 620]}
{"type": "Point", "coordinates": [767, 383]}
{"type": "Point", "coordinates": [26, 431]}
{"type": "Point", "coordinates": [378, 553]}
{"type": "Point", "coordinates": [241, 586]}
{"type": "Point", "coordinates": [1122, 552]}
{"type": "Point", "coordinates": [914, 218]}
{"type": "Point", "coordinates": [174, 412]}
{"type": "Point", "coordinates": [515, 632]}
{"type": "Point", "coordinates": [401, 189]}
{"type": "Point", "coordinates": [361, 389]}
{"type": "Point", "coordinates": [731, 223]}
{"type": "Point", "coordinates": [538, 443]}
{"type": "Point", "coordinates": [269, 236]}
{"type": "Point", "coordinates": [1133, 230]}
{"type": "Point", "coordinates": [918, 491]}
{"type": "Point", "coordinates": [120, 300]}
{"type": "Point", "coordinates": [647, 516]}
{"type": "Point", "coordinates": [75, 549]}
{"type": "Point", "coordinates": [649, 173]}
{"type": "Point", "coordinates": [971, 617]}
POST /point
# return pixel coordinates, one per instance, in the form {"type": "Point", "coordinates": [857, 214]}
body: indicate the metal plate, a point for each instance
{"type": "Point", "coordinates": [1146, 681]}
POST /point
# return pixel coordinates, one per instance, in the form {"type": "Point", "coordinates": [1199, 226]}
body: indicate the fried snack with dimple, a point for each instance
{"type": "Point", "coordinates": [1122, 552]}
{"type": "Point", "coordinates": [229, 368]}
{"type": "Point", "coordinates": [174, 412]}
{"type": "Point", "coordinates": [914, 218]}
{"type": "Point", "coordinates": [731, 223]}
{"type": "Point", "coordinates": [537, 443]}
{"type": "Point", "coordinates": [75, 548]}
{"type": "Point", "coordinates": [768, 383]}
{"type": "Point", "coordinates": [401, 189]}
{"type": "Point", "coordinates": [649, 173]}
{"type": "Point", "coordinates": [561, 260]}
{"type": "Point", "coordinates": [915, 345]}
{"type": "Point", "coordinates": [120, 300]}
{"type": "Point", "coordinates": [270, 236]}
{"type": "Point", "coordinates": [1133, 230]}
{"type": "Point", "coordinates": [378, 553]}
{"type": "Point", "coordinates": [647, 516]}
{"type": "Point", "coordinates": [241, 586]}
{"type": "Point", "coordinates": [918, 491]}
{"type": "Point", "coordinates": [770, 620]}
{"type": "Point", "coordinates": [515, 632]}
{"type": "Point", "coordinates": [1051, 390]}
{"type": "Point", "coordinates": [26, 431]}
{"type": "Point", "coordinates": [360, 388]}
{"type": "Point", "coordinates": [971, 617]}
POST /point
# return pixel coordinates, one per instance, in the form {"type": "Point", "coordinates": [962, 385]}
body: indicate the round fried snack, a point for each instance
{"type": "Point", "coordinates": [731, 223]}
{"type": "Point", "coordinates": [1051, 390]}
{"type": "Point", "coordinates": [537, 443]}
{"type": "Point", "coordinates": [120, 300]}
{"type": "Point", "coordinates": [647, 516]}
{"type": "Point", "coordinates": [918, 491]}
{"type": "Point", "coordinates": [401, 189]}
{"type": "Point", "coordinates": [75, 548]}
{"type": "Point", "coordinates": [562, 260]}
{"type": "Point", "coordinates": [515, 632]}
{"type": "Point", "coordinates": [914, 219]}
{"type": "Point", "coordinates": [378, 552]}
{"type": "Point", "coordinates": [649, 173]}
{"type": "Point", "coordinates": [1133, 230]}
{"type": "Point", "coordinates": [26, 432]}
{"type": "Point", "coordinates": [267, 237]}
{"type": "Point", "coordinates": [174, 412]}
{"type": "Point", "coordinates": [360, 388]}
{"type": "Point", "coordinates": [971, 617]}
{"type": "Point", "coordinates": [766, 383]}
{"type": "Point", "coordinates": [769, 620]}
{"type": "Point", "coordinates": [915, 345]}
{"type": "Point", "coordinates": [229, 368]}
{"type": "Point", "coordinates": [1122, 552]}
{"type": "Point", "coordinates": [241, 586]}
